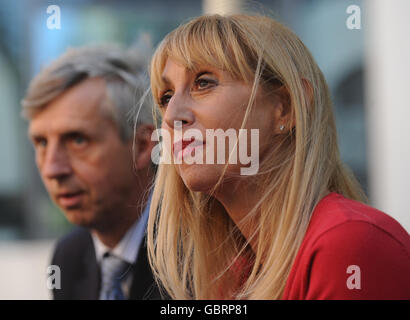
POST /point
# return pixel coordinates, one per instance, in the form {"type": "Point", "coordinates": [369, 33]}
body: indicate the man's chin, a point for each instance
{"type": "Point", "coordinates": [80, 218]}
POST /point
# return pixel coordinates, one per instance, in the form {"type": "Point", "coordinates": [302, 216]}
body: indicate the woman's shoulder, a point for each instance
{"type": "Point", "coordinates": [349, 240]}
{"type": "Point", "coordinates": [337, 215]}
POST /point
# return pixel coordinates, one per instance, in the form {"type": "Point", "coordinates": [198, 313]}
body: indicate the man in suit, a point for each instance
{"type": "Point", "coordinates": [96, 168]}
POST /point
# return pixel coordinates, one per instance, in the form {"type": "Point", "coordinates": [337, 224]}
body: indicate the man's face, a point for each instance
{"type": "Point", "coordinates": [85, 166]}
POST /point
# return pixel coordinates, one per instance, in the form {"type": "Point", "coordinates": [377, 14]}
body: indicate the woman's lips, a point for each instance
{"type": "Point", "coordinates": [183, 148]}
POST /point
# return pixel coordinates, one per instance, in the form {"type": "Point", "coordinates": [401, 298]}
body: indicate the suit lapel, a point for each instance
{"type": "Point", "coordinates": [88, 286]}
{"type": "Point", "coordinates": [143, 284]}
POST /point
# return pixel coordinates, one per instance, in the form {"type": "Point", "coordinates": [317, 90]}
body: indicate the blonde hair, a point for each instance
{"type": "Point", "coordinates": [193, 244]}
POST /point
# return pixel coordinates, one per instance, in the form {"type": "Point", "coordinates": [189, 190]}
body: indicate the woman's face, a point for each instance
{"type": "Point", "coordinates": [212, 99]}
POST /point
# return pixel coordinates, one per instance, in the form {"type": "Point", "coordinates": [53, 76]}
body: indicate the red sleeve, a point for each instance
{"type": "Point", "coordinates": [362, 256]}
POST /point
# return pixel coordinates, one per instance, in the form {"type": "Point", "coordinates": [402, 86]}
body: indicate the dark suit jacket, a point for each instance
{"type": "Point", "coordinates": [80, 273]}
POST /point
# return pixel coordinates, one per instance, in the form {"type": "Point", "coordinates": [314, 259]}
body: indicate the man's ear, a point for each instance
{"type": "Point", "coordinates": [143, 146]}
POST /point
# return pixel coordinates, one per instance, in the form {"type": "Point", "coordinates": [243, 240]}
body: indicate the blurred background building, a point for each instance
{"type": "Point", "coordinates": [364, 67]}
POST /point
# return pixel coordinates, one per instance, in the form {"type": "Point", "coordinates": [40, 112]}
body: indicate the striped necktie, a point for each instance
{"type": "Point", "coordinates": [113, 271]}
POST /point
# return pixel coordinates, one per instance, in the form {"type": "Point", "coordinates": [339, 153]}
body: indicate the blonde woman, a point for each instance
{"type": "Point", "coordinates": [297, 228]}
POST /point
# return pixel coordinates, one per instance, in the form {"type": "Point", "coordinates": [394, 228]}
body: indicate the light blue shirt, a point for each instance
{"type": "Point", "coordinates": [129, 246]}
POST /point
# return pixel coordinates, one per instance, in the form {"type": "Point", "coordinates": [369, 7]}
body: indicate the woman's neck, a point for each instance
{"type": "Point", "coordinates": [239, 198]}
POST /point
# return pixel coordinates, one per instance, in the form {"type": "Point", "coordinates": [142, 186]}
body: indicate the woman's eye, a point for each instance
{"type": "Point", "coordinates": [203, 83]}
{"type": "Point", "coordinates": [164, 100]}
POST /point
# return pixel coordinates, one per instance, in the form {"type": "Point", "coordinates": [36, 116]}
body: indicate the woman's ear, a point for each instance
{"type": "Point", "coordinates": [284, 117]}
{"type": "Point", "coordinates": [143, 146]}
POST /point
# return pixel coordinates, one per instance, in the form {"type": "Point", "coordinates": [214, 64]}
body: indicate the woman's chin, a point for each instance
{"type": "Point", "coordinates": [198, 178]}
{"type": "Point", "coordinates": [197, 185]}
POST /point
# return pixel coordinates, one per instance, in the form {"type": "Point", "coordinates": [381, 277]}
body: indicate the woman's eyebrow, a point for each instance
{"type": "Point", "coordinates": [193, 73]}
{"type": "Point", "coordinates": [201, 73]}
{"type": "Point", "coordinates": [165, 79]}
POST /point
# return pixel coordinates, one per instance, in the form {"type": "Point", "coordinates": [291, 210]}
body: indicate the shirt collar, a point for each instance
{"type": "Point", "coordinates": [127, 249]}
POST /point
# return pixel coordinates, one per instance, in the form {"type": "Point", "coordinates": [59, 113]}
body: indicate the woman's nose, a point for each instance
{"type": "Point", "coordinates": [179, 111]}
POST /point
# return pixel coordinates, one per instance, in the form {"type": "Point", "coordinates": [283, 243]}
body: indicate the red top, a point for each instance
{"type": "Point", "coordinates": [350, 251]}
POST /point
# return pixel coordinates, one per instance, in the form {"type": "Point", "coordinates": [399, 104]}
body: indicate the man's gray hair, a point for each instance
{"type": "Point", "coordinates": [125, 74]}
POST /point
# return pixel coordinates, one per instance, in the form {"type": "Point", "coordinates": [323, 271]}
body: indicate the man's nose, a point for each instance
{"type": "Point", "coordinates": [56, 163]}
{"type": "Point", "coordinates": [179, 109]}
